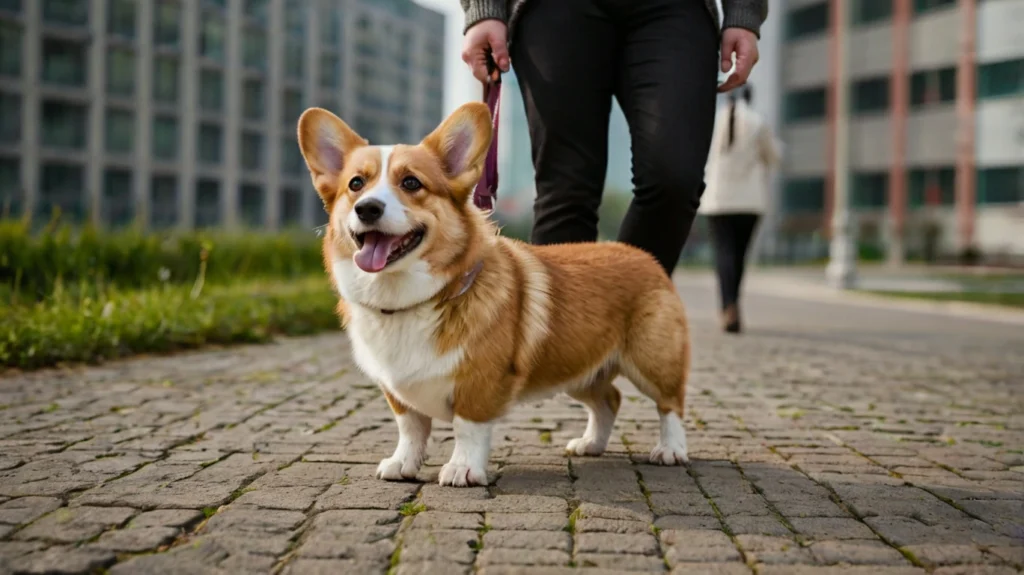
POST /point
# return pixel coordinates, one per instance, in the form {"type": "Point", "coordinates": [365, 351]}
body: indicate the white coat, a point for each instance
{"type": "Point", "coordinates": [737, 175]}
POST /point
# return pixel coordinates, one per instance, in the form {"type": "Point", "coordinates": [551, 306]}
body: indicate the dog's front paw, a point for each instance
{"type": "Point", "coordinates": [462, 475]}
{"type": "Point", "coordinates": [585, 446]}
{"type": "Point", "coordinates": [669, 454]}
{"type": "Point", "coordinates": [397, 469]}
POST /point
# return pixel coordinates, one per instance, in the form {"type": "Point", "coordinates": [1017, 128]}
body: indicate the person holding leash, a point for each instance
{"type": "Point", "coordinates": [659, 59]}
{"type": "Point", "coordinates": [742, 151]}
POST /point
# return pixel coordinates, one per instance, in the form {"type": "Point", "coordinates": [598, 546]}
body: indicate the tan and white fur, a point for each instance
{"type": "Point", "coordinates": [459, 323]}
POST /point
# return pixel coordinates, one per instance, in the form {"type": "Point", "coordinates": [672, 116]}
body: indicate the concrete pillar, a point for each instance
{"type": "Point", "coordinates": [899, 96]}
{"type": "Point", "coordinates": [841, 270]}
{"type": "Point", "coordinates": [142, 159]}
{"type": "Point", "coordinates": [97, 89]}
{"type": "Point", "coordinates": [230, 180]}
{"type": "Point", "coordinates": [31, 64]}
{"type": "Point", "coordinates": [965, 101]}
{"type": "Point", "coordinates": [188, 101]}
{"type": "Point", "coordinates": [273, 102]}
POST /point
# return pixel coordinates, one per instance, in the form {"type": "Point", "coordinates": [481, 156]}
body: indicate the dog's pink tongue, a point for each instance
{"type": "Point", "coordinates": [373, 256]}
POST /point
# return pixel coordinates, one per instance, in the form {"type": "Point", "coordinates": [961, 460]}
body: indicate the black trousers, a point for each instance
{"type": "Point", "coordinates": [659, 58]}
{"type": "Point", "coordinates": [730, 237]}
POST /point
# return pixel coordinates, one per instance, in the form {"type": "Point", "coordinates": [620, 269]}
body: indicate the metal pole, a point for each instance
{"type": "Point", "coordinates": [841, 271]}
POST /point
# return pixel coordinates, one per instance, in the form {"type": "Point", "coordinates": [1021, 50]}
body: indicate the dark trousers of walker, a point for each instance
{"type": "Point", "coordinates": [659, 59]}
{"type": "Point", "coordinates": [730, 238]}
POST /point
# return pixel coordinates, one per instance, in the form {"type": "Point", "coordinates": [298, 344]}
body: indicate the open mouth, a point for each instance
{"type": "Point", "coordinates": [377, 250]}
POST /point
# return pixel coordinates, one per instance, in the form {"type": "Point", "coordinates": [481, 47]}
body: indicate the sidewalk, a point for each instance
{"type": "Point", "coordinates": [829, 438]}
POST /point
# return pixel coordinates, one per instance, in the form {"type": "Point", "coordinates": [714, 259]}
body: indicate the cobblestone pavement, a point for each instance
{"type": "Point", "coordinates": [827, 439]}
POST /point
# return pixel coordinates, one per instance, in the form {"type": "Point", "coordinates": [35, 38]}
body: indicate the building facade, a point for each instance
{"type": "Point", "coordinates": [182, 113]}
{"type": "Point", "coordinates": [936, 127]}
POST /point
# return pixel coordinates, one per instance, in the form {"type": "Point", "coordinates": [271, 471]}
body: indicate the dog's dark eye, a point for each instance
{"type": "Point", "coordinates": [356, 184]}
{"type": "Point", "coordinates": [411, 184]}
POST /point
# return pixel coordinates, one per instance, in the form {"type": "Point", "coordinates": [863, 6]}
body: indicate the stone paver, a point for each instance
{"type": "Point", "coordinates": [828, 439]}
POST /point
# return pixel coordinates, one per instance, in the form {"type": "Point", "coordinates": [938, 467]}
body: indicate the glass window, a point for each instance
{"type": "Point", "coordinates": [869, 190]}
{"type": "Point", "coordinates": [66, 12]}
{"type": "Point", "coordinates": [254, 49]}
{"type": "Point", "coordinates": [10, 187]}
{"type": "Point", "coordinates": [868, 11]}
{"type": "Point", "coordinates": [808, 104]}
{"type": "Point", "coordinates": [253, 100]}
{"type": "Point", "coordinates": [931, 186]}
{"type": "Point", "coordinates": [804, 195]}
{"type": "Point", "coordinates": [320, 217]}
{"type": "Point", "coordinates": [211, 90]}
{"type": "Point", "coordinates": [252, 150]}
{"type": "Point", "coordinates": [207, 203]}
{"type": "Point", "coordinates": [61, 188]}
{"type": "Point", "coordinates": [294, 56]}
{"type": "Point", "coordinates": [10, 118]}
{"type": "Point", "coordinates": [163, 202]}
{"type": "Point", "coordinates": [870, 95]}
{"type": "Point", "coordinates": [330, 25]}
{"type": "Point", "coordinates": [64, 124]}
{"type": "Point", "coordinates": [13, 6]}
{"type": "Point", "coordinates": [1003, 185]}
{"type": "Point", "coordinates": [295, 19]}
{"type": "Point", "coordinates": [250, 200]}
{"type": "Point", "coordinates": [165, 79]}
{"type": "Point", "coordinates": [256, 9]}
{"type": "Point", "coordinates": [922, 6]}
{"type": "Point", "coordinates": [330, 71]}
{"type": "Point", "coordinates": [807, 21]}
{"type": "Point", "coordinates": [120, 131]}
{"type": "Point", "coordinates": [209, 144]}
{"type": "Point", "coordinates": [211, 36]}
{"type": "Point", "coordinates": [121, 18]}
{"type": "Point", "coordinates": [167, 23]}
{"type": "Point", "coordinates": [291, 157]}
{"type": "Point", "coordinates": [929, 87]}
{"type": "Point", "coordinates": [165, 137]}
{"type": "Point", "coordinates": [1001, 79]}
{"type": "Point", "coordinates": [10, 49]}
{"type": "Point", "coordinates": [64, 62]}
{"type": "Point", "coordinates": [120, 71]}
{"type": "Point", "coordinates": [118, 205]}
{"type": "Point", "coordinates": [291, 207]}
{"type": "Point", "coordinates": [292, 108]}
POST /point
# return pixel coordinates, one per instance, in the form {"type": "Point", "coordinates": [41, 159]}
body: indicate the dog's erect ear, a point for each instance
{"type": "Point", "coordinates": [326, 142]}
{"type": "Point", "coordinates": [461, 142]}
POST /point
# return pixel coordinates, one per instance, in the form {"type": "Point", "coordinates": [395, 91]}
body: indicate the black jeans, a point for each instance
{"type": "Point", "coordinates": [730, 237]}
{"type": "Point", "coordinates": [659, 58]}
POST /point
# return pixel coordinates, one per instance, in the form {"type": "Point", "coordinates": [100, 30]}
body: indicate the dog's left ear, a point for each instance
{"type": "Point", "coordinates": [326, 142]}
{"type": "Point", "coordinates": [461, 142]}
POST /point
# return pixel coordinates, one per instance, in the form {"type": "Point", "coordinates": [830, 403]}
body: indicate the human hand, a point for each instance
{"type": "Point", "coordinates": [743, 43]}
{"type": "Point", "coordinates": [483, 37]}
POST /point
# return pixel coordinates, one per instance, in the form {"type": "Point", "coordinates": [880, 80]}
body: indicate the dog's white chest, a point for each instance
{"type": "Point", "coordinates": [399, 352]}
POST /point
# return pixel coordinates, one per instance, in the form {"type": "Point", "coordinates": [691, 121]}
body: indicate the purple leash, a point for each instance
{"type": "Point", "coordinates": [487, 189]}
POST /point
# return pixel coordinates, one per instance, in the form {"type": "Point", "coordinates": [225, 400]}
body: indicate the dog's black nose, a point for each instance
{"type": "Point", "coordinates": [369, 210]}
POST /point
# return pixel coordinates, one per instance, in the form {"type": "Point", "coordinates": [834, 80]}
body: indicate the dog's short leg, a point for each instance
{"type": "Point", "coordinates": [602, 400]}
{"type": "Point", "coordinates": [468, 465]}
{"type": "Point", "coordinates": [413, 433]}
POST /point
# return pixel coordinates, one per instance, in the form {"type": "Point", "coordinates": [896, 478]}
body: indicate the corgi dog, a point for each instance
{"type": "Point", "coordinates": [455, 322]}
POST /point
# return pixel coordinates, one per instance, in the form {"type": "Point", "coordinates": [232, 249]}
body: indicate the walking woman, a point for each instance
{"type": "Point", "coordinates": [659, 59]}
{"type": "Point", "coordinates": [743, 150]}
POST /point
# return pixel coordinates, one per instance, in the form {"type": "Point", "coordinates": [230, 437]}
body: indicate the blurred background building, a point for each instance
{"type": "Point", "coordinates": [183, 112]}
{"type": "Point", "coordinates": [936, 92]}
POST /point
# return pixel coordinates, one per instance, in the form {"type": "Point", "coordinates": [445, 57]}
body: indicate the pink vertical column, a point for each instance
{"type": "Point", "coordinates": [899, 104]}
{"type": "Point", "coordinates": [965, 102]}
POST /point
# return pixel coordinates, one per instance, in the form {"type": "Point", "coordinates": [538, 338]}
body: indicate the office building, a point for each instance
{"type": "Point", "coordinates": [182, 113]}
{"type": "Point", "coordinates": [936, 127]}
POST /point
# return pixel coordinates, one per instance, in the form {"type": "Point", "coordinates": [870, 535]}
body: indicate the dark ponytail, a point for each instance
{"type": "Point", "coordinates": [732, 120]}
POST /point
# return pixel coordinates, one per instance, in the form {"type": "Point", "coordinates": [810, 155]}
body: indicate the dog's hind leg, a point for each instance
{"type": "Point", "coordinates": [413, 433]}
{"type": "Point", "coordinates": [602, 400]}
{"type": "Point", "coordinates": [657, 361]}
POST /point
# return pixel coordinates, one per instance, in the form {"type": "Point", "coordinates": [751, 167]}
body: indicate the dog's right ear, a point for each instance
{"type": "Point", "coordinates": [326, 142]}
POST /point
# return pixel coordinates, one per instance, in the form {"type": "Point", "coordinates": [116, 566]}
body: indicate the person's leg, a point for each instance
{"type": "Point", "coordinates": [745, 224]}
{"type": "Point", "coordinates": [563, 55]}
{"type": "Point", "coordinates": [666, 84]}
{"type": "Point", "coordinates": [723, 250]}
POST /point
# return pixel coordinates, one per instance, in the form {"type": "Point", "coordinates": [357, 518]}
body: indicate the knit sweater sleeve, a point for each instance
{"type": "Point", "coordinates": [747, 14]}
{"type": "Point", "coordinates": [477, 10]}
